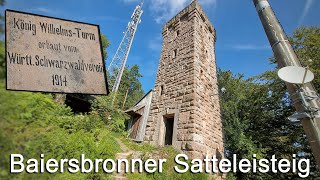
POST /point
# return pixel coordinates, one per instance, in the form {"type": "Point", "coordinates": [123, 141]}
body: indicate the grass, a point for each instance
{"type": "Point", "coordinates": [32, 124]}
{"type": "Point", "coordinates": [148, 151]}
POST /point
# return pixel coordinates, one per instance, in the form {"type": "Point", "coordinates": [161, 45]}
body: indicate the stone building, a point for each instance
{"type": "Point", "coordinates": [184, 110]}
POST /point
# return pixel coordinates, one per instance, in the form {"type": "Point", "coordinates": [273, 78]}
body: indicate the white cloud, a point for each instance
{"type": "Point", "coordinates": [249, 47]}
{"type": "Point", "coordinates": [306, 10]}
{"type": "Point", "coordinates": [165, 9]}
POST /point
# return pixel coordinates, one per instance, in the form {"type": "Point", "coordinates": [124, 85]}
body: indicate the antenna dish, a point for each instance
{"type": "Point", "coordinates": [295, 74]}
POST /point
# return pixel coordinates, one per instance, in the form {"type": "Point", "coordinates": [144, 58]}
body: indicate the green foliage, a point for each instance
{"type": "Point", "coordinates": [130, 86]}
{"type": "Point", "coordinates": [130, 82]}
{"type": "Point", "coordinates": [141, 147]}
{"type": "Point", "coordinates": [306, 42]}
{"type": "Point", "coordinates": [105, 44]}
{"type": "Point", "coordinates": [236, 108]}
{"type": "Point", "coordinates": [105, 108]}
{"type": "Point", "coordinates": [255, 121]}
{"type": "Point", "coordinates": [32, 124]}
{"type": "Point", "coordinates": [255, 111]}
{"type": "Point", "coordinates": [169, 153]}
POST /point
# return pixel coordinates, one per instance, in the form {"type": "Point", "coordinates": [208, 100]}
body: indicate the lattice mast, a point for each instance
{"type": "Point", "coordinates": [119, 60]}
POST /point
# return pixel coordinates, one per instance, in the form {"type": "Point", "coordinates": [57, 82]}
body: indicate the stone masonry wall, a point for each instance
{"type": "Point", "coordinates": [186, 86]}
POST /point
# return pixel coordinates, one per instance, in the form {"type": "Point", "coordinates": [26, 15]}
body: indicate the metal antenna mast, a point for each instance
{"type": "Point", "coordinates": [119, 60]}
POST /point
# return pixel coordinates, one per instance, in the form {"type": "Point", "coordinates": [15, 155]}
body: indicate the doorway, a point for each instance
{"type": "Point", "coordinates": [136, 120]}
{"type": "Point", "coordinates": [168, 129]}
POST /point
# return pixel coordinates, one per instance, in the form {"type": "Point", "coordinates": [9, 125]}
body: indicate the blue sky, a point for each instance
{"type": "Point", "coordinates": [241, 46]}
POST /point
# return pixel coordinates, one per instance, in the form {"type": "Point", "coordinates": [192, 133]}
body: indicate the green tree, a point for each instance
{"type": "Point", "coordinates": [105, 44]}
{"type": "Point", "coordinates": [306, 42]}
{"type": "Point", "coordinates": [110, 108]}
{"type": "Point", "coordinates": [255, 112]}
{"type": "Point", "coordinates": [131, 86]}
{"type": "Point", "coordinates": [236, 105]}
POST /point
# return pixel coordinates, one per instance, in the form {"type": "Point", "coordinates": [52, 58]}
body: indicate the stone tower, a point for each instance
{"type": "Point", "coordinates": [185, 111]}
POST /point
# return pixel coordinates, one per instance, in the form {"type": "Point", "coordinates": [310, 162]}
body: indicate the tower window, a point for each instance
{"type": "Point", "coordinates": [175, 53]}
{"type": "Point", "coordinates": [161, 90]}
{"type": "Point", "coordinates": [178, 32]}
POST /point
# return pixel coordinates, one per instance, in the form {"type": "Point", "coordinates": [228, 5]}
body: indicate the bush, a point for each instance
{"type": "Point", "coordinates": [104, 109]}
{"type": "Point", "coordinates": [32, 124]}
{"type": "Point", "coordinates": [149, 151]}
